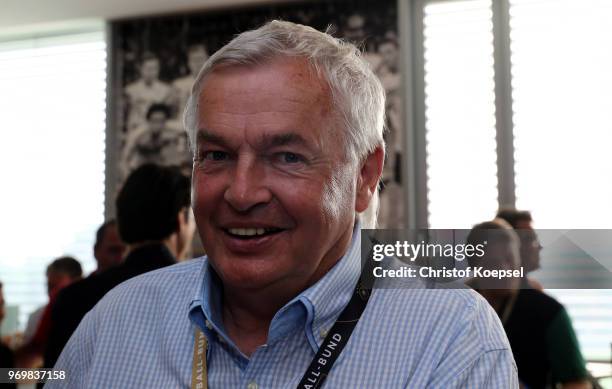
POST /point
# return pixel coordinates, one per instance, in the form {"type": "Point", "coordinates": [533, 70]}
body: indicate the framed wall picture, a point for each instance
{"type": "Point", "coordinates": [154, 61]}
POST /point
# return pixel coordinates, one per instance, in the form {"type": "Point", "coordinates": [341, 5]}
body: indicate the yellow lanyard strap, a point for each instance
{"type": "Point", "coordinates": [199, 376]}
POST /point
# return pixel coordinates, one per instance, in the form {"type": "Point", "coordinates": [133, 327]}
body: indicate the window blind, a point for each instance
{"type": "Point", "coordinates": [561, 54]}
{"type": "Point", "coordinates": [460, 113]}
{"type": "Point", "coordinates": [52, 141]}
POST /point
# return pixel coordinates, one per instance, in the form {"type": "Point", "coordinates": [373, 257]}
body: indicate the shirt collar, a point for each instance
{"type": "Point", "coordinates": [316, 308]}
{"type": "Point", "coordinates": [325, 299]}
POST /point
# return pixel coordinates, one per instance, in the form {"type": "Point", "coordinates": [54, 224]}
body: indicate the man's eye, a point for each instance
{"type": "Point", "coordinates": [214, 155]}
{"type": "Point", "coordinates": [288, 157]}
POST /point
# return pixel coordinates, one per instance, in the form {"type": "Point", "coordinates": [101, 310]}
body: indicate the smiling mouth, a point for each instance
{"type": "Point", "coordinates": [251, 233]}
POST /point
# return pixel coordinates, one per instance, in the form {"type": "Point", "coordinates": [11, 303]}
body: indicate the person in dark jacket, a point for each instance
{"type": "Point", "coordinates": [539, 329]}
{"type": "Point", "coordinates": [155, 221]}
{"type": "Point", "coordinates": [62, 272]}
{"type": "Point", "coordinates": [7, 358]}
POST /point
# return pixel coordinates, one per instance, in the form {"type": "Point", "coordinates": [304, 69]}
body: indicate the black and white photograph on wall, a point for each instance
{"type": "Point", "coordinates": [155, 61]}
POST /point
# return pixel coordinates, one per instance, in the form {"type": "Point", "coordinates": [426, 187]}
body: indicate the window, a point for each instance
{"type": "Point", "coordinates": [562, 96]}
{"type": "Point", "coordinates": [513, 99]}
{"type": "Point", "coordinates": [460, 113]}
{"type": "Point", "coordinates": [52, 94]}
{"type": "Point", "coordinates": [562, 99]}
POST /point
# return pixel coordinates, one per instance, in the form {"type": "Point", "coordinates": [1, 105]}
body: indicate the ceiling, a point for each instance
{"type": "Point", "coordinates": [32, 16]}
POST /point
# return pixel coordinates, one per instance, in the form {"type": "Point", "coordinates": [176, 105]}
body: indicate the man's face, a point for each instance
{"type": "Point", "coordinates": [270, 161]}
{"type": "Point", "coordinates": [150, 70]}
{"type": "Point", "coordinates": [530, 246]}
{"type": "Point", "coordinates": [109, 251]}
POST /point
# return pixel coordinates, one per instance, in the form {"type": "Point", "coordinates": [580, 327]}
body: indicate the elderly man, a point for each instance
{"type": "Point", "coordinates": [287, 127]}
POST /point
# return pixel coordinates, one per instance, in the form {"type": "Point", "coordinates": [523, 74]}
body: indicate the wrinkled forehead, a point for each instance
{"type": "Point", "coordinates": [284, 85]}
{"type": "Point", "coordinates": [281, 92]}
{"type": "Point", "coordinates": [300, 75]}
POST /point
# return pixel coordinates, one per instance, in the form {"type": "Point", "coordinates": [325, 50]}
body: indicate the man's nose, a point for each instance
{"type": "Point", "coordinates": [247, 188]}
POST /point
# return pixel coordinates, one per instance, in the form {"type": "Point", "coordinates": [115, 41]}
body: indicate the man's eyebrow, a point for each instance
{"type": "Point", "coordinates": [285, 139]}
{"type": "Point", "coordinates": [209, 137]}
{"type": "Point", "coordinates": [266, 140]}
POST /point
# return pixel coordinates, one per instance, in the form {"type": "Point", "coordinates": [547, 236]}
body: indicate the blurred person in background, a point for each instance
{"type": "Point", "coordinates": [501, 253]}
{"type": "Point", "coordinates": [539, 329]}
{"type": "Point", "coordinates": [522, 221]}
{"type": "Point", "coordinates": [108, 248]}
{"type": "Point", "coordinates": [156, 223]}
{"type": "Point", "coordinates": [108, 251]}
{"type": "Point", "coordinates": [61, 272]}
{"type": "Point", "coordinates": [7, 358]}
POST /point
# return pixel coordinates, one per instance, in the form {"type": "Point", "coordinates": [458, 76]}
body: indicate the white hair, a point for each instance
{"type": "Point", "coordinates": [357, 94]}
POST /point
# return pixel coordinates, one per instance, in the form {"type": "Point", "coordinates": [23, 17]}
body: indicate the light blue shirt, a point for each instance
{"type": "Point", "coordinates": [141, 335]}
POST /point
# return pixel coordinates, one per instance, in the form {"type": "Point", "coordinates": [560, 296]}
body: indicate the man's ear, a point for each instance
{"type": "Point", "coordinates": [369, 175]}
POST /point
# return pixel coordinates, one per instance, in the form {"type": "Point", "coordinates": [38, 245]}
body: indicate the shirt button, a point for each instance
{"type": "Point", "coordinates": [208, 325]}
{"type": "Point", "coordinates": [252, 385]}
{"type": "Point", "coordinates": [323, 333]}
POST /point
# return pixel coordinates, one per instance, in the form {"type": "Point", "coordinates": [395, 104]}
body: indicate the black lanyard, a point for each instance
{"type": "Point", "coordinates": [338, 336]}
{"type": "Point", "coordinates": [327, 354]}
